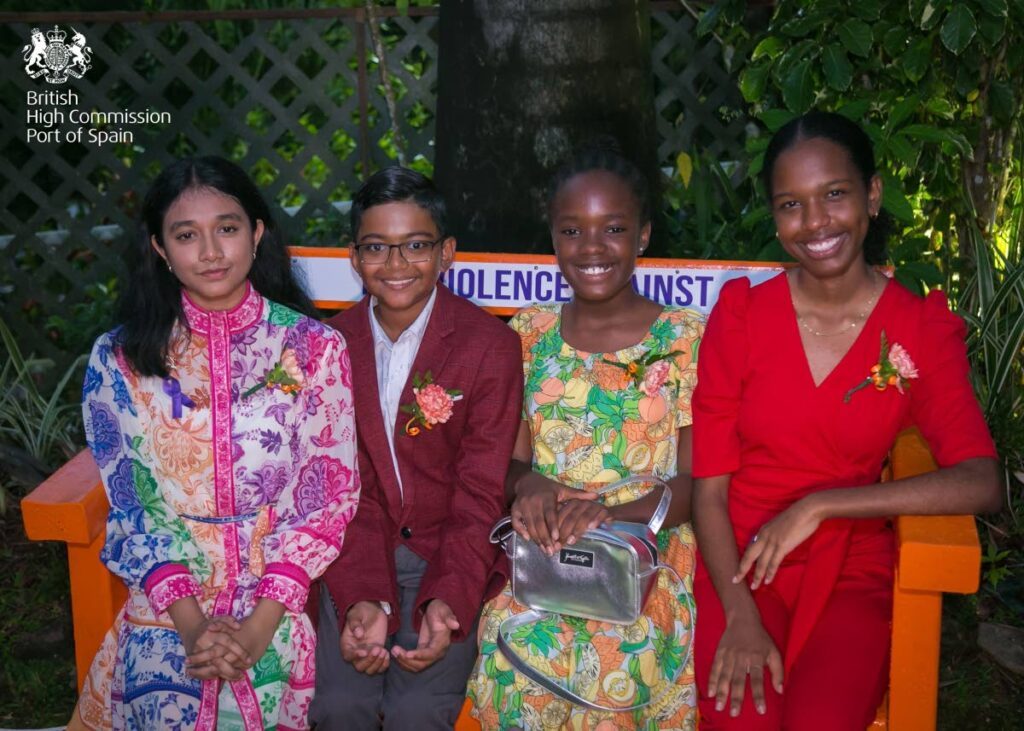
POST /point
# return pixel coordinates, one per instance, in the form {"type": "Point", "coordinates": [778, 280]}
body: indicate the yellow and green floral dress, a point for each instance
{"type": "Point", "coordinates": [596, 418]}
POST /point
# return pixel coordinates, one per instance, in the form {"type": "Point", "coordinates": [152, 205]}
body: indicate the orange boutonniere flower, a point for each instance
{"type": "Point", "coordinates": [894, 368]}
{"type": "Point", "coordinates": [649, 373]}
{"type": "Point", "coordinates": [286, 375]}
{"type": "Point", "coordinates": [433, 404]}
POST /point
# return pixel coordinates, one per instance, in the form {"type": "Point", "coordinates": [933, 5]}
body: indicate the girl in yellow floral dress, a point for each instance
{"type": "Point", "coordinates": [608, 383]}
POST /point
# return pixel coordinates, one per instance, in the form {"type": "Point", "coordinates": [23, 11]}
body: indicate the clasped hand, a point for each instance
{"type": "Point", "coordinates": [364, 638]}
{"type": "Point", "coordinates": [553, 515]}
{"type": "Point", "coordinates": [222, 647]}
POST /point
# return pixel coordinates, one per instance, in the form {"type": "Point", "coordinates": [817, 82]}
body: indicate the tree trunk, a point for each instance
{"type": "Point", "coordinates": [521, 83]}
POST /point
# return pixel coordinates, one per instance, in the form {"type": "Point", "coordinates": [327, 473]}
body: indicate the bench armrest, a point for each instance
{"type": "Point", "coordinates": [937, 553]}
{"type": "Point", "coordinates": [71, 506]}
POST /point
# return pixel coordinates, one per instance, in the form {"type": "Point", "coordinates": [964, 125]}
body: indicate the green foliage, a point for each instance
{"type": "Point", "coordinates": [85, 320]}
{"type": "Point", "coordinates": [992, 303]}
{"type": "Point", "coordinates": [934, 83]}
{"type": "Point", "coordinates": [38, 433]}
{"type": "Point", "coordinates": [713, 211]}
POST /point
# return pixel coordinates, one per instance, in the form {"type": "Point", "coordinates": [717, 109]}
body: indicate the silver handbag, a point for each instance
{"type": "Point", "coordinates": [606, 575]}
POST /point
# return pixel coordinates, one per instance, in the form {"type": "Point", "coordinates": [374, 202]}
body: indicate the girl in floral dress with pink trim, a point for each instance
{"type": "Point", "coordinates": [220, 415]}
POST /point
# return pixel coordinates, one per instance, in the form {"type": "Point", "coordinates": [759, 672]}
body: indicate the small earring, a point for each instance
{"type": "Point", "coordinates": [254, 254]}
{"type": "Point", "coordinates": [169, 267]}
{"type": "Point", "coordinates": [777, 236]}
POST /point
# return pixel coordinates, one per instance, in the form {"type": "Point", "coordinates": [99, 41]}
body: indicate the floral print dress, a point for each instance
{"type": "Point", "coordinates": [221, 491]}
{"type": "Point", "coordinates": [592, 423]}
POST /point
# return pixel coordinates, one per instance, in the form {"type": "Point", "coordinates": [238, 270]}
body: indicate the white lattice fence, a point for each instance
{"type": "Point", "coordinates": [293, 96]}
{"type": "Point", "coordinates": [294, 100]}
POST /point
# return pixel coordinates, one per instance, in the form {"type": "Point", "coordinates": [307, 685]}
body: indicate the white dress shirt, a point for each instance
{"type": "Point", "coordinates": [394, 361]}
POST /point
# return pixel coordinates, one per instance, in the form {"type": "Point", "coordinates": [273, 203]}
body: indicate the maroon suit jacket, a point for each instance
{"type": "Point", "coordinates": [453, 475]}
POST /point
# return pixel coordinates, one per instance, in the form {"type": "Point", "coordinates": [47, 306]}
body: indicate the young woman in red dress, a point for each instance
{"type": "Point", "coordinates": [804, 383]}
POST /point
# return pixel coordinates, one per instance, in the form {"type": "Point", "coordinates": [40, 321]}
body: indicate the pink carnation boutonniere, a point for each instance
{"type": "Point", "coordinates": [894, 368]}
{"type": "Point", "coordinates": [648, 373]}
{"type": "Point", "coordinates": [286, 375]}
{"type": "Point", "coordinates": [433, 405]}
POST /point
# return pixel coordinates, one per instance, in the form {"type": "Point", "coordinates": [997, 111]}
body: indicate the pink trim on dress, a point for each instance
{"type": "Point", "coordinates": [218, 326]}
{"type": "Point", "coordinates": [289, 570]}
{"type": "Point", "coordinates": [286, 584]}
{"type": "Point", "coordinates": [241, 316]}
{"type": "Point", "coordinates": [248, 703]}
{"type": "Point", "coordinates": [207, 720]}
{"type": "Point", "coordinates": [167, 584]}
{"type": "Point", "coordinates": [220, 391]}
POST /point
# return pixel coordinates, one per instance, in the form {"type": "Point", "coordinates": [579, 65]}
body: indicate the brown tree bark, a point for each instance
{"type": "Point", "coordinates": [521, 84]}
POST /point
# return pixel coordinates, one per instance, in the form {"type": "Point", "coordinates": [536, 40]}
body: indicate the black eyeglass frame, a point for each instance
{"type": "Point", "coordinates": [401, 251]}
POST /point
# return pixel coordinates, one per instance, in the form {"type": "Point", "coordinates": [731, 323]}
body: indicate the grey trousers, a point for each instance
{"type": "Point", "coordinates": [348, 699]}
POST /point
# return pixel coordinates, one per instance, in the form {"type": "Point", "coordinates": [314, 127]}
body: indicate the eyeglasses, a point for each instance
{"type": "Point", "coordinates": [412, 251]}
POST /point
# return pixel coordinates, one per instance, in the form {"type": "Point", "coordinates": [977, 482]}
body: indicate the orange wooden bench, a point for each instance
{"type": "Point", "coordinates": [936, 555]}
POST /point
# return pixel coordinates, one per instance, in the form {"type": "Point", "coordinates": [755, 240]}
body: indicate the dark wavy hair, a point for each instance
{"type": "Point", "coordinates": [396, 184]}
{"type": "Point", "coordinates": [151, 302]}
{"type": "Point", "coordinates": [849, 136]}
{"type": "Point", "coordinates": [604, 153]}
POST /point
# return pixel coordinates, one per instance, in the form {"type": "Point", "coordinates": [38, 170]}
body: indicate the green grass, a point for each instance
{"type": "Point", "coordinates": [975, 692]}
{"type": "Point", "coordinates": [37, 670]}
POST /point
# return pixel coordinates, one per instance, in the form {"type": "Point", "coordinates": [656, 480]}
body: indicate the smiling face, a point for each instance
{"type": "Point", "coordinates": [209, 243]}
{"type": "Point", "coordinates": [401, 288]}
{"type": "Point", "coordinates": [597, 234]}
{"type": "Point", "coordinates": [822, 208]}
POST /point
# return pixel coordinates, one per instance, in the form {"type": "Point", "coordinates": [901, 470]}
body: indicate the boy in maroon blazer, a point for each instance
{"type": "Point", "coordinates": [438, 394]}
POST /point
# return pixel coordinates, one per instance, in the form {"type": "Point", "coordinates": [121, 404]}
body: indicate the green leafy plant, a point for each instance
{"type": "Point", "coordinates": [934, 83]}
{"type": "Point", "coordinates": [714, 211]}
{"type": "Point", "coordinates": [992, 302]}
{"type": "Point", "coordinates": [38, 432]}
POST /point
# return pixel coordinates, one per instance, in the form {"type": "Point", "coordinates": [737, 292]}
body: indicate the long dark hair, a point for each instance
{"type": "Point", "coordinates": [848, 135]}
{"type": "Point", "coordinates": [151, 302]}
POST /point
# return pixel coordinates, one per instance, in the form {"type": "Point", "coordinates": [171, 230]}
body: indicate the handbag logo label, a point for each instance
{"type": "Point", "coordinates": [569, 557]}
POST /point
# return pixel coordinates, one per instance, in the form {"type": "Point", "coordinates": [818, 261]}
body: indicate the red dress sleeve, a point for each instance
{"type": "Point", "coordinates": [721, 367]}
{"type": "Point", "coordinates": [943, 405]}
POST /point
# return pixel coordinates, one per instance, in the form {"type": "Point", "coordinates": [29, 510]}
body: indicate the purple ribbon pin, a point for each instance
{"type": "Point", "coordinates": [173, 389]}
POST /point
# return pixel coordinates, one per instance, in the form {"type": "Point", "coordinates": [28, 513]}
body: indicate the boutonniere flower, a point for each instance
{"type": "Point", "coordinates": [649, 373]}
{"type": "Point", "coordinates": [286, 375]}
{"type": "Point", "coordinates": [433, 405]}
{"type": "Point", "coordinates": [894, 368]}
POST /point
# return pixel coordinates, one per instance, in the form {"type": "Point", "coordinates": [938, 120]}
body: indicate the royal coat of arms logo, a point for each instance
{"type": "Point", "coordinates": [55, 60]}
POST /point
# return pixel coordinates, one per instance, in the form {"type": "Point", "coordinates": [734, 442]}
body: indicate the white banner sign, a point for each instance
{"type": "Point", "coordinates": [503, 283]}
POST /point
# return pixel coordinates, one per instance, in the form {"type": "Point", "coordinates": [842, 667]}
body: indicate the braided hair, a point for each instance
{"type": "Point", "coordinates": [604, 153]}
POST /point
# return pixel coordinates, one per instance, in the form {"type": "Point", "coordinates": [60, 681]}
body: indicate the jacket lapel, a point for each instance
{"type": "Point", "coordinates": [369, 418]}
{"type": "Point", "coordinates": [432, 355]}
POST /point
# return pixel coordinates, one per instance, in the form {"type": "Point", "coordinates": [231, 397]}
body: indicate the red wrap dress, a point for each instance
{"type": "Point", "coordinates": [760, 418]}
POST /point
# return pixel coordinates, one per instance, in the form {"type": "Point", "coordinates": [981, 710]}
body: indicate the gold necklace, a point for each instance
{"type": "Point", "coordinates": [846, 328]}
